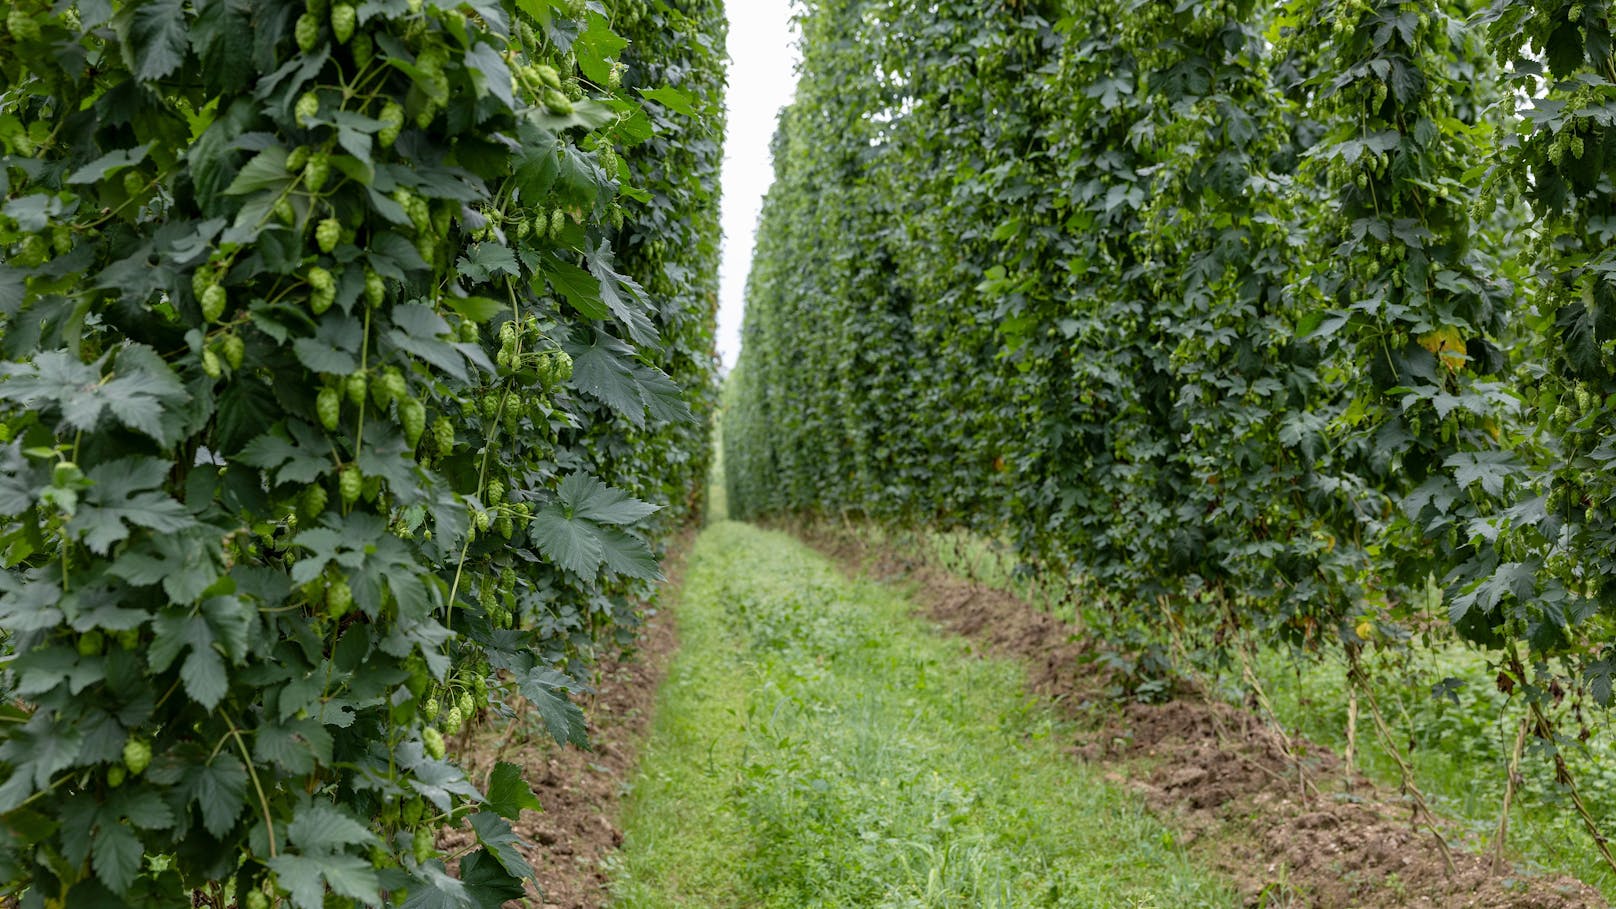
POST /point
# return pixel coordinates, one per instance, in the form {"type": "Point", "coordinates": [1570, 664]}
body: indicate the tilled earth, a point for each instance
{"type": "Point", "coordinates": [1279, 817]}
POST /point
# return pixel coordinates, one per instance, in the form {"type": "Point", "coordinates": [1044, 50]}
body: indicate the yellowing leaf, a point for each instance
{"type": "Point", "coordinates": [1448, 345]}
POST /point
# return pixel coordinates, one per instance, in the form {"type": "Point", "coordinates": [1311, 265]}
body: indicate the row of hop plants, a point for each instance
{"type": "Point", "coordinates": [352, 372]}
{"type": "Point", "coordinates": [1252, 319]}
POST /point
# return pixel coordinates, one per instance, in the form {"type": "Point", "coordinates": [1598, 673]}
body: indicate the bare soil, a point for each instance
{"type": "Point", "coordinates": [569, 842]}
{"type": "Point", "coordinates": [1280, 816]}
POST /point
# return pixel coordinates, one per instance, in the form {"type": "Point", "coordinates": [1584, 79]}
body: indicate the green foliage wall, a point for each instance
{"type": "Point", "coordinates": [1232, 311]}
{"type": "Point", "coordinates": [350, 353]}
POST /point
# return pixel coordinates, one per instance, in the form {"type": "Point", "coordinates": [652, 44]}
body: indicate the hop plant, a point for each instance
{"type": "Point", "coordinates": [343, 19]}
{"type": "Point", "coordinates": [327, 233]}
{"type": "Point", "coordinates": [307, 32]}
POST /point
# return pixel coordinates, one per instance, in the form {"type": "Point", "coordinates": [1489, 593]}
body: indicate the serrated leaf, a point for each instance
{"type": "Point", "coordinates": [495, 835]}
{"type": "Point", "coordinates": [217, 788]}
{"type": "Point", "coordinates": [303, 461]}
{"type": "Point", "coordinates": [109, 163]}
{"type": "Point", "coordinates": [562, 718]}
{"type": "Point", "coordinates": [572, 543]}
{"type": "Point", "coordinates": [1488, 469]}
{"type": "Point", "coordinates": [139, 392]}
{"type": "Point", "coordinates": [267, 170]}
{"type": "Point", "coordinates": [625, 555]}
{"type": "Point", "coordinates": [622, 296]}
{"type": "Point", "coordinates": [579, 288]}
{"type": "Point", "coordinates": [597, 48]}
{"type": "Point", "coordinates": [477, 309]}
{"type": "Point", "coordinates": [484, 261]}
{"type": "Point", "coordinates": [306, 877]}
{"type": "Point", "coordinates": [321, 357]}
{"type": "Point", "coordinates": [440, 781]}
{"type": "Point", "coordinates": [115, 853]}
{"type": "Point", "coordinates": [508, 792]}
{"type": "Point", "coordinates": [489, 73]}
{"type": "Point", "coordinates": [185, 563]}
{"type": "Point", "coordinates": [604, 374]}
{"type": "Point", "coordinates": [586, 497]}
{"type": "Point", "coordinates": [671, 98]}
{"type": "Point", "coordinates": [155, 38]}
{"type": "Point", "coordinates": [433, 888]}
{"type": "Point", "coordinates": [323, 828]}
{"type": "Point", "coordinates": [126, 492]}
{"type": "Point", "coordinates": [142, 807]}
{"type": "Point", "coordinates": [488, 884]}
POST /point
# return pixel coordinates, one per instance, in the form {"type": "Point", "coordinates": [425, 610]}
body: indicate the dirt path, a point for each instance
{"type": "Point", "coordinates": [1279, 818]}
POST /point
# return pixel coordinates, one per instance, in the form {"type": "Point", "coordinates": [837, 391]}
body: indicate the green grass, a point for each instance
{"type": "Point", "coordinates": [1461, 743]}
{"type": "Point", "coordinates": [815, 745]}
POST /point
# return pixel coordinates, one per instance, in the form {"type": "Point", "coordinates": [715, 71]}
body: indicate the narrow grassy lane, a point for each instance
{"type": "Point", "coordinates": [817, 746]}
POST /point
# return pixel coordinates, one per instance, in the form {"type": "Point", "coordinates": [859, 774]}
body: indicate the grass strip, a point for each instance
{"type": "Point", "coordinates": [816, 745]}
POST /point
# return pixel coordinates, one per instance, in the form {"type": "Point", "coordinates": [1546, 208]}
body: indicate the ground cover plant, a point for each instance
{"type": "Point", "coordinates": [817, 745]}
{"type": "Point", "coordinates": [335, 413]}
{"type": "Point", "coordinates": [1249, 320]}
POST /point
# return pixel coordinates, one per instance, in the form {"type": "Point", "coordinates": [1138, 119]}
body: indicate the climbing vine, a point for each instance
{"type": "Point", "coordinates": [323, 371]}
{"type": "Point", "coordinates": [1251, 320]}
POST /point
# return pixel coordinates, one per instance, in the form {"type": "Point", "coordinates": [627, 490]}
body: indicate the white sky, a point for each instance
{"type": "Point", "coordinates": [762, 78]}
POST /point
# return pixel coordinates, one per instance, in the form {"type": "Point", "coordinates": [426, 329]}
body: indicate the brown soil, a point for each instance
{"type": "Point", "coordinates": [568, 842]}
{"type": "Point", "coordinates": [1279, 816]}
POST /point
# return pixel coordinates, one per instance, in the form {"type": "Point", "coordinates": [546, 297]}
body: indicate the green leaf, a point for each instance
{"type": "Point", "coordinates": [630, 309]}
{"type": "Point", "coordinates": [303, 461]}
{"type": "Point", "coordinates": [267, 170]}
{"type": "Point", "coordinates": [203, 672]}
{"type": "Point", "coordinates": [597, 48]}
{"type": "Point", "coordinates": [206, 681]}
{"type": "Point", "coordinates": [601, 372]}
{"type": "Point", "coordinates": [140, 392]}
{"type": "Point", "coordinates": [586, 497]}
{"type": "Point", "coordinates": [126, 491]}
{"type": "Point", "coordinates": [488, 884]}
{"type": "Point", "coordinates": [495, 835]}
{"type": "Point", "coordinates": [217, 788]}
{"type": "Point", "coordinates": [155, 38]}
{"type": "Point", "coordinates": [626, 555]}
{"type": "Point", "coordinates": [109, 163]}
{"type": "Point", "coordinates": [489, 74]}
{"type": "Point", "coordinates": [1488, 469]}
{"type": "Point", "coordinates": [142, 807]}
{"type": "Point", "coordinates": [440, 781]}
{"type": "Point", "coordinates": [323, 827]}
{"type": "Point", "coordinates": [578, 287]}
{"type": "Point", "coordinates": [508, 792]}
{"type": "Point", "coordinates": [477, 309]}
{"type": "Point", "coordinates": [321, 357]}
{"type": "Point", "coordinates": [671, 98]}
{"type": "Point", "coordinates": [115, 853]}
{"type": "Point", "coordinates": [572, 543]}
{"type": "Point", "coordinates": [562, 718]}
{"type": "Point", "coordinates": [433, 888]}
{"type": "Point", "coordinates": [486, 260]}
{"type": "Point", "coordinates": [185, 563]}
{"type": "Point", "coordinates": [306, 877]}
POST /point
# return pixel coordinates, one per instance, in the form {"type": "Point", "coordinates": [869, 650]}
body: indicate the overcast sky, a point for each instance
{"type": "Point", "coordinates": [762, 75]}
